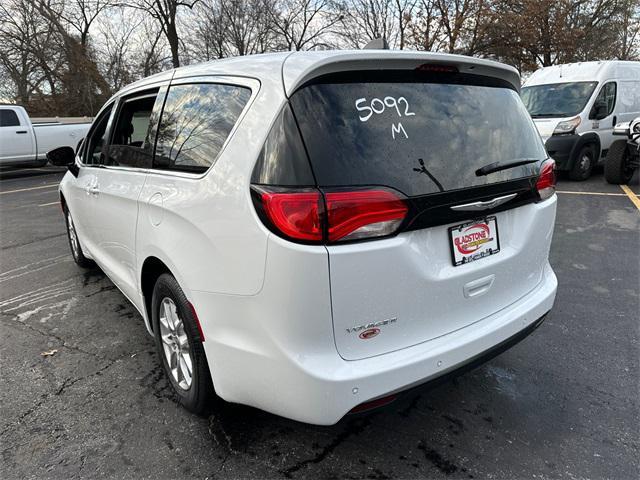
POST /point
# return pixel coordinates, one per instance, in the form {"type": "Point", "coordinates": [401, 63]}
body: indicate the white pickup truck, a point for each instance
{"type": "Point", "coordinates": [25, 143]}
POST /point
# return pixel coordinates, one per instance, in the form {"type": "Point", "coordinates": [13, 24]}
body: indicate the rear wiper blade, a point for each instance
{"type": "Point", "coordinates": [497, 166]}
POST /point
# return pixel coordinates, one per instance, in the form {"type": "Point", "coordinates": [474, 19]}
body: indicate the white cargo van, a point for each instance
{"type": "Point", "coordinates": [576, 106]}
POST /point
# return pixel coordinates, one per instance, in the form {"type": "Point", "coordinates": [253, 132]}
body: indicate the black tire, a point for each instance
{"type": "Point", "coordinates": [583, 165]}
{"type": "Point", "coordinates": [198, 396]}
{"type": "Point", "coordinates": [617, 169]}
{"type": "Point", "coordinates": [74, 243]}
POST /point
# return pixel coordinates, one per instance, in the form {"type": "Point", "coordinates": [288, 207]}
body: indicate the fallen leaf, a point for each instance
{"type": "Point", "coordinates": [49, 353]}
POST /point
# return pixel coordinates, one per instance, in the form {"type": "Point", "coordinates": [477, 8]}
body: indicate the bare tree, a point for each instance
{"type": "Point", "coordinates": [460, 21]}
{"type": "Point", "coordinates": [152, 51]}
{"type": "Point", "coordinates": [366, 20]}
{"type": "Point", "coordinates": [232, 27]}
{"type": "Point", "coordinates": [166, 14]}
{"type": "Point", "coordinates": [84, 86]}
{"type": "Point", "coordinates": [19, 28]}
{"type": "Point", "coordinates": [116, 42]}
{"type": "Point", "coordinates": [630, 31]}
{"type": "Point", "coordinates": [403, 13]}
{"type": "Point", "coordinates": [303, 24]}
{"type": "Point", "coordinates": [425, 27]}
{"type": "Point", "coordinates": [529, 33]}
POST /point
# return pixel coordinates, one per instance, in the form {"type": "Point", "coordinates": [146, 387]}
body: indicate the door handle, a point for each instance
{"type": "Point", "coordinates": [615, 120]}
{"type": "Point", "coordinates": [20, 132]}
{"type": "Point", "coordinates": [92, 189]}
{"type": "Point", "coordinates": [478, 287]}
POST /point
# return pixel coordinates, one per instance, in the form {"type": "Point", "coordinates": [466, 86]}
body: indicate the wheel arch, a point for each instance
{"type": "Point", "coordinates": [590, 138]}
{"type": "Point", "coordinates": [63, 201]}
{"type": "Point", "coordinates": [152, 268]}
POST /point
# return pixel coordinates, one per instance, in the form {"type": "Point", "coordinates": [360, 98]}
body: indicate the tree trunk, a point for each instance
{"type": "Point", "coordinates": [174, 44]}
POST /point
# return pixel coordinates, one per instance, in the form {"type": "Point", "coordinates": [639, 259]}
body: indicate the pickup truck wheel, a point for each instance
{"type": "Point", "coordinates": [74, 242]}
{"type": "Point", "coordinates": [618, 169]}
{"type": "Point", "coordinates": [583, 164]}
{"type": "Point", "coordinates": [180, 347]}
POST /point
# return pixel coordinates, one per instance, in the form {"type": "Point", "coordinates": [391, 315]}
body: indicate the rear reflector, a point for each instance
{"type": "Point", "coordinates": [546, 184]}
{"type": "Point", "coordinates": [353, 215]}
{"type": "Point", "coordinates": [378, 402]}
{"type": "Point", "coordinates": [310, 216]}
{"type": "Point", "coordinates": [195, 317]}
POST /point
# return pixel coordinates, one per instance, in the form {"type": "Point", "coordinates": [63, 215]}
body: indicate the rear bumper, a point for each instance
{"type": "Point", "coordinates": [319, 387]}
{"type": "Point", "coordinates": [560, 148]}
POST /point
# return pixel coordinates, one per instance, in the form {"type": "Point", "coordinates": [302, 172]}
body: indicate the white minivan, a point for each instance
{"type": "Point", "coordinates": [310, 232]}
{"type": "Point", "coordinates": [576, 106]}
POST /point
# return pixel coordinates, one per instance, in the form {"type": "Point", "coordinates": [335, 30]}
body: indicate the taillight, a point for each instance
{"type": "Point", "coordinates": [296, 214]}
{"type": "Point", "coordinates": [353, 215]}
{"type": "Point", "coordinates": [310, 216]}
{"type": "Point", "coordinates": [546, 184]}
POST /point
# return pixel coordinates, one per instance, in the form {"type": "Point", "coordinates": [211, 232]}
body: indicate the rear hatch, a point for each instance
{"type": "Point", "coordinates": [471, 243]}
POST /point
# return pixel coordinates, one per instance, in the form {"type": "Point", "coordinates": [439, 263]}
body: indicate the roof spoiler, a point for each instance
{"type": "Point", "coordinates": [315, 64]}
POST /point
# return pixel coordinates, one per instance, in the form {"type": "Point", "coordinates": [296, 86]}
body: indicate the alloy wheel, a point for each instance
{"type": "Point", "coordinates": [73, 236]}
{"type": "Point", "coordinates": [175, 344]}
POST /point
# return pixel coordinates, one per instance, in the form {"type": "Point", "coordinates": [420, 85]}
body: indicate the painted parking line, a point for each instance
{"type": "Point", "coordinates": [51, 185]}
{"type": "Point", "coordinates": [47, 204]}
{"type": "Point", "coordinates": [609, 194]}
{"type": "Point", "coordinates": [632, 196]}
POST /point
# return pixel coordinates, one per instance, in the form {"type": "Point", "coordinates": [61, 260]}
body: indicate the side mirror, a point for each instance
{"type": "Point", "coordinates": [61, 156]}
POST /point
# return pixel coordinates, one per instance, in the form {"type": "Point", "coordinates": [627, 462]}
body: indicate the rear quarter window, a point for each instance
{"type": "Point", "coordinates": [195, 123]}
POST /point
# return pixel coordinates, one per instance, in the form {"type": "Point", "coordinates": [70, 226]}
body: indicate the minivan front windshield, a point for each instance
{"type": "Point", "coordinates": [557, 99]}
{"type": "Point", "coordinates": [418, 133]}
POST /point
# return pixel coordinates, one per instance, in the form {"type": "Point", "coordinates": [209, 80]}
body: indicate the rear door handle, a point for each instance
{"type": "Point", "coordinates": [20, 132]}
{"type": "Point", "coordinates": [478, 287]}
{"type": "Point", "coordinates": [92, 189]}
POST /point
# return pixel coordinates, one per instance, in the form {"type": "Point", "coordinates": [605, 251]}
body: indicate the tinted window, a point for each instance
{"type": "Point", "coordinates": [195, 123]}
{"type": "Point", "coordinates": [557, 99]}
{"type": "Point", "coordinates": [606, 96]}
{"type": "Point", "coordinates": [96, 139]}
{"type": "Point", "coordinates": [283, 160]}
{"type": "Point", "coordinates": [132, 143]}
{"type": "Point", "coordinates": [414, 132]}
{"type": "Point", "coordinates": [9, 118]}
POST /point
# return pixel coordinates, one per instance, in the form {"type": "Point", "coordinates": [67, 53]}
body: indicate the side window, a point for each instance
{"type": "Point", "coordinates": [606, 96]}
{"type": "Point", "coordinates": [132, 139]}
{"type": "Point", "coordinates": [96, 139]}
{"type": "Point", "coordinates": [195, 123]}
{"type": "Point", "coordinates": [9, 118]}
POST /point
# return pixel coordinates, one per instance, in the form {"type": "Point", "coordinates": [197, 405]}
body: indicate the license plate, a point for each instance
{"type": "Point", "coordinates": [474, 240]}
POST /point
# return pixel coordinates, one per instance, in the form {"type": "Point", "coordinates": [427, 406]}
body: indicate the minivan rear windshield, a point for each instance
{"type": "Point", "coordinates": [557, 99]}
{"type": "Point", "coordinates": [419, 133]}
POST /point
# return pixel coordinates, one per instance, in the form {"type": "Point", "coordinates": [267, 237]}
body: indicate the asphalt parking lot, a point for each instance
{"type": "Point", "coordinates": [564, 403]}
